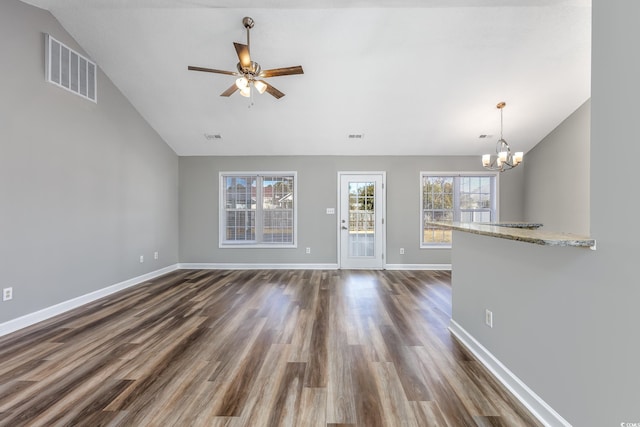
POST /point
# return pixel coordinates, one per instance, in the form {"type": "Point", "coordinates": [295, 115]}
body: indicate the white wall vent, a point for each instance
{"type": "Point", "coordinates": [69, 70]}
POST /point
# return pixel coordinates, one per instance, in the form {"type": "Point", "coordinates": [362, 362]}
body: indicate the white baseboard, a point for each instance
{"type": "Point", "coordinates": [446, 267]}
{"type": "Point", "coordinates": [49, 312]}
{"type": "Point", "coordinates": [247, 266]}
{"type": "Point", "coordinates": [538, 407]}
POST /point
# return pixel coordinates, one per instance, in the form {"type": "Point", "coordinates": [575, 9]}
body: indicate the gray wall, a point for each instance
{"type": "Point", "coordinates": [85, 188]}
{"type": "Point", "coordinates": [557, 176]}
{"type": "Point", "coordinates": [613, 286]}
{"type": "Point", "coordinates": [317, 190]}
{"type": "Point", "coordinates": [542, 317]}
{"type": "Point", "coordinates": [567, 322]}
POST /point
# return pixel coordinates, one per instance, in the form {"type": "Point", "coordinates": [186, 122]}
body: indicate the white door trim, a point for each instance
{"type": "Point", "coordinates": [383, 230]}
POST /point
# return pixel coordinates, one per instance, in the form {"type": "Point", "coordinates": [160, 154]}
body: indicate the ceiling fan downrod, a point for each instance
{"type": "Point", "coordinates": [248, 24]}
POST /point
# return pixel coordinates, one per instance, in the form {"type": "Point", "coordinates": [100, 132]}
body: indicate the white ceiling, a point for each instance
{"type": "Point", "coordinates": [416, 77]}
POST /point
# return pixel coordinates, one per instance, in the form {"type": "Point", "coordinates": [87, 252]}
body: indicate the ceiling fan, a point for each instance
{"type": "Point", "coordinates": [249, 72]}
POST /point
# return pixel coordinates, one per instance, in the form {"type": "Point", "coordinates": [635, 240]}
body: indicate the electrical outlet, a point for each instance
{"type": "Point", "coordinates": [7, 294]}
{"type": "Point", "coordinates": [155, 255]}
{"type": "Point", "coordinates": [401, 251]}
{"type": "Point", "coordinates": [141, 258]}
{"type": "Point", "coordinates": [488, 318]}
{"type": "Point", "coordinates": [307, 251]}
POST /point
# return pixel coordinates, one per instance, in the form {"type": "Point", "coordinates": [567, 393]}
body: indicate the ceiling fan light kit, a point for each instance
{"type": "Point", "coordinates": [249, 73]}
{"type": "Point", "coordinates": [503, 159]}
{"type": "Point", "coordinates": [260, 86]}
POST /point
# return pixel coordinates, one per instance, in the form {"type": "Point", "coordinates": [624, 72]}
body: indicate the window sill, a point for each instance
{"type": "Point", "coordinates": [442, 246]}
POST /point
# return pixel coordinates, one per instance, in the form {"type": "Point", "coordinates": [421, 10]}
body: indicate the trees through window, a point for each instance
{"type": "Point", "coordinates": [454, 197]}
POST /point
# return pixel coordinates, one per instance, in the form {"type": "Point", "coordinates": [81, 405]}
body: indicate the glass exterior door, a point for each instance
{"type": "Point", "coordinates": [361, 225]}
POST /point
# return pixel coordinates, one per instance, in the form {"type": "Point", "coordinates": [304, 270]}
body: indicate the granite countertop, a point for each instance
{"type": "Point", "coordinates": [523, 234]}
{"type": "Point", "coordinates": [513, 224]}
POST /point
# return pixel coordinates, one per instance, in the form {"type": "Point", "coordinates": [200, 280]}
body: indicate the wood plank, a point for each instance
{"type": "Point", "coordinates": [317, 369]}
{"type": "Point", "coordinates": [366, 396]}
{"type": "Point", "coordinates": [260, 348]}
{"type": "Point", "coordinates": [312, 409]}
{"type": "Point", "coordinates": [263, 395]}
{"type": "Point", "coordinates": [396, 410]}
{"type": "Point", "coordinates": [406, 365]}
{"type": "Point", "coordinates": [428, 414]}
{"type": "Point", "coordinates": [237, 390]}
{"type": "Point", "coordinates": [288, 396]}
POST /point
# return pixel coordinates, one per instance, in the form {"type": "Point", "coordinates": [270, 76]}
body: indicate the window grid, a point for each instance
{"type": "Point", "coordinates": [277, 209]}
{"type": "Point", "coordinates": [461, 197]}
{"type": "Point", "coordinates": [240, 208]}
{"type": "Point", "coordinates": [361, 219]}
{"type": "Point", "coordinates": [259, 209]}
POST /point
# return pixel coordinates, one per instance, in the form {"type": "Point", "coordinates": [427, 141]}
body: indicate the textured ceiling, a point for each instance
{"type": "Point", "coordinates": [415, 77]}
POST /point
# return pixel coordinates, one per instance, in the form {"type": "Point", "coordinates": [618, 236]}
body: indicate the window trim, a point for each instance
{"type": "Point", "coordinates": [226, 244]}
{"type": "Point", "coordinates": [422, 174]}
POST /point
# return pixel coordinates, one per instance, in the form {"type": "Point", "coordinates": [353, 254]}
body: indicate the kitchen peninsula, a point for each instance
{"type": "Point", "coordinates": [521, 231]}
{"type": "Point", "coordinates": [512, 285]}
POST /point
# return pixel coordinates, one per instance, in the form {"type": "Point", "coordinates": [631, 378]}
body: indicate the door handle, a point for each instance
{"type": "Point", "coordinates": [344, 228]}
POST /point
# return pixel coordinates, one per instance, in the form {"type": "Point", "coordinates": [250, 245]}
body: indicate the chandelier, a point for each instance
{"type": "Point", "coordinates": [503, 160]}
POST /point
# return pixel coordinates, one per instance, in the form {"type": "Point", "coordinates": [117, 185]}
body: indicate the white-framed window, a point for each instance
{"type": "Point", "coordinates": [459, 197]}
{"type": "Point", "coordinates": [258, 209]}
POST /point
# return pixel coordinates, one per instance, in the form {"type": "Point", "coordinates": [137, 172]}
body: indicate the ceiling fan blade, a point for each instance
{"type": "Point", "coordinates": [243, 54]}
{"type": "Point", "coordinates": [287, 71]}
{"type": "Point", "coordinates": [211, 70]}
{"type": "Point", "coordinates": [273, 91]}
{"type": "Point", "coordinates": [230, 91]}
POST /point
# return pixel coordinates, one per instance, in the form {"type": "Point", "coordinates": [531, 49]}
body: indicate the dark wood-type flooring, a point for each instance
{"type": "Point", "coordinates": [254, 348]}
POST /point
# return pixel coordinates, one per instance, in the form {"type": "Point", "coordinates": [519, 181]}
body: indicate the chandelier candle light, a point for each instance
{"type": "Point", "coordinates": [503, 160]}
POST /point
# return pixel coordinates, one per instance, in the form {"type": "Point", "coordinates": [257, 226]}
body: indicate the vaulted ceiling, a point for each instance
{"type": "Point", "coordinates": [414, 77]}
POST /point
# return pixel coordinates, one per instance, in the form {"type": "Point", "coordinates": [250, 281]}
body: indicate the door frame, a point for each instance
{"type": "Point", "coordinates": [383, 230]}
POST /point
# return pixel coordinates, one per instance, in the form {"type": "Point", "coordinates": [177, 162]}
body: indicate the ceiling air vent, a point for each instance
{"type": "Point", "coordinates": [69, 70]}
{"type": "Point", "coordinates": [356, 135]}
